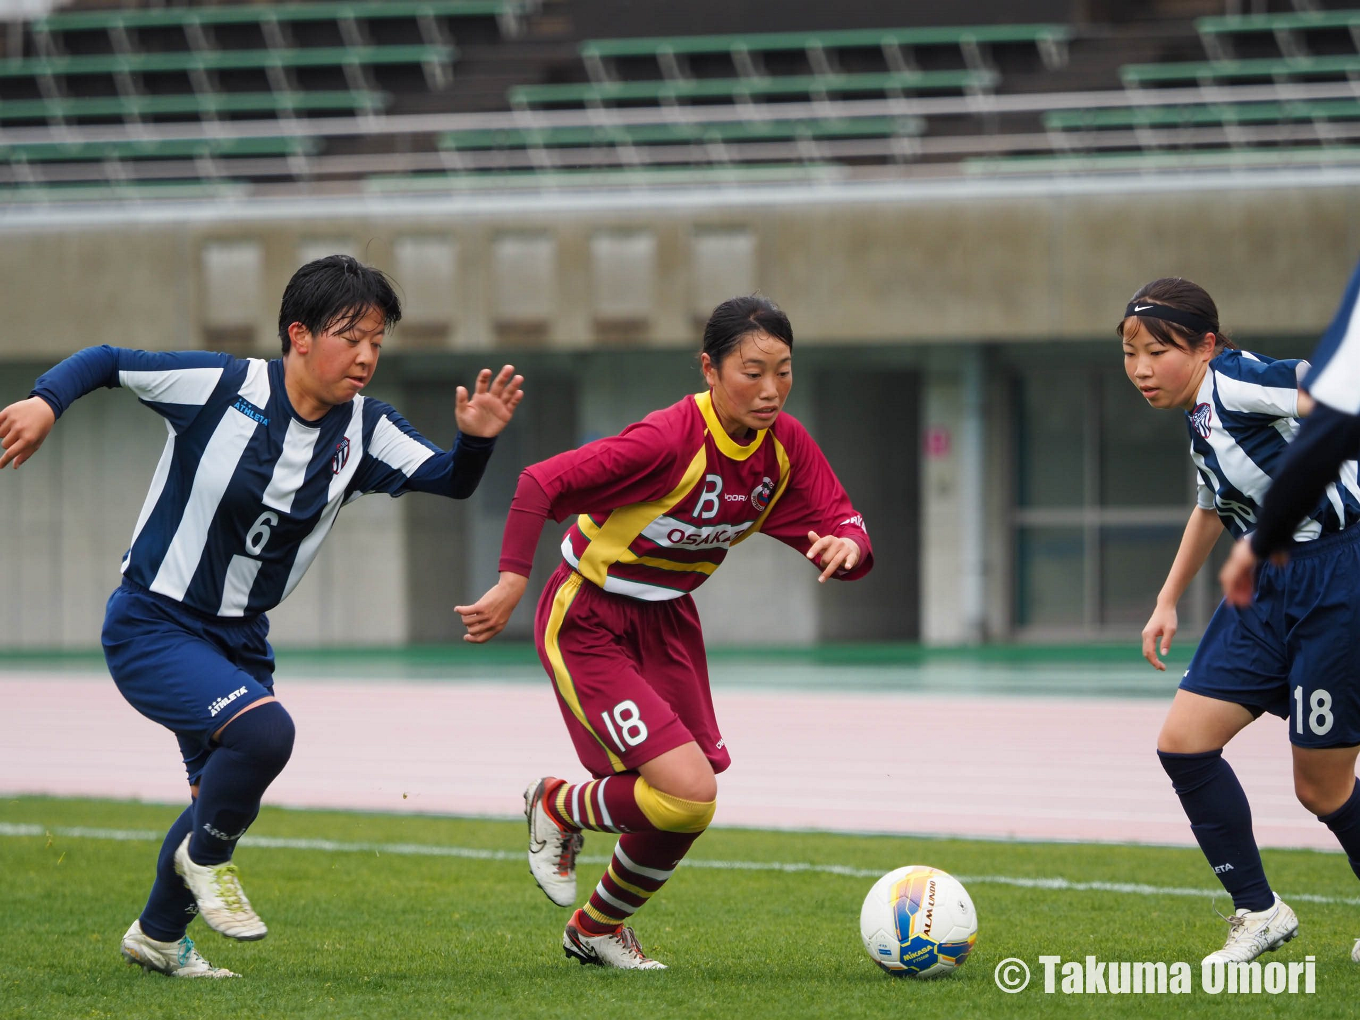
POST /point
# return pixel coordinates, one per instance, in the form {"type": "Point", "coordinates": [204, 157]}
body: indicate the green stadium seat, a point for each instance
{"type": "Point", "coordinates": [207, 104]}
{"type": "Point", "coordinates": [1200, 114]}
{"type": "Point", "coordinates": [594, 93]}
{"type": "Point", "coordinates": [238, 14]}
{"type": "Point", "coordinates": [652, 134]}
{"type": "Point", "coordinates": [224, 60]}
{"type": "Point", "coordinates": [1051, 40]}
{"type": "Point", "coordinates": [174, 148]}
{"type": "Point", "coordinates": [1218, 71]}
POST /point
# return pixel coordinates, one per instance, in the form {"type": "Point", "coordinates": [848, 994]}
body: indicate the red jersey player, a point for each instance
{"type": "Point", "coordinates": [656, 510]}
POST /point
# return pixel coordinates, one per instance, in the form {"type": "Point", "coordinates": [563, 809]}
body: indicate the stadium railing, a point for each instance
{"type": "Point", "coordinates": [660, 134]}
{"type": "Point", "coordinates": [1198, 159]}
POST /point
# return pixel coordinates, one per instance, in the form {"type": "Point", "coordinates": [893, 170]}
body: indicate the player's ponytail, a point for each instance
{"type": "Point", "coordinates": [1177, 313]}
{"type": "Point", "coordinates": [738, 316]}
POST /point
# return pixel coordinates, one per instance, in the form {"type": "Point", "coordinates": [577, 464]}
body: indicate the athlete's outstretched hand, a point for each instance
{"type": "Point", "coordinates": [1238, 575]}
{"type": "Point", "coordinates": [487, 617]}
{"type": "Point", "coordinates": [23, 427]}
{"type": "Point", "coordinates": [832, 553]}
{"type": "Point", "coordinates": [1161, 624]}
{"type": "Point", "coordinates": [492, 403]}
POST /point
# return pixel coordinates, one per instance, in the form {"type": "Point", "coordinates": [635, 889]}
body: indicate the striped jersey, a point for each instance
{"type": "Point", "coordinates": [246, 491]}
{"type": "Point", "coordinates": [660, 504]}
{"type": "Point", "coordinates": [1242, 424]}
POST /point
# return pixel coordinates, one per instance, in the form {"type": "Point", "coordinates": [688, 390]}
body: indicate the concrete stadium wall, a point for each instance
{"type": "Point", "coordinates": [605, 298]}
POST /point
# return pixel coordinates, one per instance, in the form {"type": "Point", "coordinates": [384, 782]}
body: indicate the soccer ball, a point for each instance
{"type": "Point", "coordinates": [918, 922]}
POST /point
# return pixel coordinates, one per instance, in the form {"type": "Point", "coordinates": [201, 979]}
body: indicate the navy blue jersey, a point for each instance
{"type": "Point", "coordinates": [246, 491]}
{"type": "Point", "coordinates": [1242, 424]}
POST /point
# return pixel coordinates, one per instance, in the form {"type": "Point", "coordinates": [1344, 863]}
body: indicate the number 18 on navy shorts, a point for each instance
{"type": "Point", "coordinates": [1295, 651]}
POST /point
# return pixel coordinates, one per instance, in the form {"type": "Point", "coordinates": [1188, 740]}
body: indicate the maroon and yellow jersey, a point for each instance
{"type": "Point", "coordinates": [661, 503]}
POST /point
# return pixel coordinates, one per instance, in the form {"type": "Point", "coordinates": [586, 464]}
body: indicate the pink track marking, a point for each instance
{"type": "Point", "coordinates": [1028, 768]}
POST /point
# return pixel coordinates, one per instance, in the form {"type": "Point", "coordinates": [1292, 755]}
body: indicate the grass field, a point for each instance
{"type": "Point", "coordinates": [415, 916]}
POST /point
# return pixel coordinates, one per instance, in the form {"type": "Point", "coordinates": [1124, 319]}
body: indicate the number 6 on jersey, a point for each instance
{"type": "Point", "coordinates": [630, 725]}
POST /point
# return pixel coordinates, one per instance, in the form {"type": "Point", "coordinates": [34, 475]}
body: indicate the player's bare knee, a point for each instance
{"type": "Point", "coordinates": [1317, 795]}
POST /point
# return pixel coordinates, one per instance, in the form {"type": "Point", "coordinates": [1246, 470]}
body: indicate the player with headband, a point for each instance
{"type": "Point", "coordinates": [1280, 654]}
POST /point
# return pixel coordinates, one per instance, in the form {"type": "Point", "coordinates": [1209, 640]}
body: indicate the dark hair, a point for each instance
{"type": "Point", "coordinates": [1181, 294]}
{"type": "Point", "coordinates": [336, 290]}
{"type": "Point", "coordinates": [736, 317]}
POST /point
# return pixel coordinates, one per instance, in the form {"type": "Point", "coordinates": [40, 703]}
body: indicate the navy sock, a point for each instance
{"type": "Point", "coordinates": [1220, 818]}
{"type": "Point", "coordinates": [1345, 825]}
{"type": "Point", "coordinates": [252, 751]}
{"type": "Point", "coordinates": [170, 907]}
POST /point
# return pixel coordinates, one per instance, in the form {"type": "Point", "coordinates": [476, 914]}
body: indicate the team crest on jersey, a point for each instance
{"type": "Point", "coordinates": [760, 498]}
{"type": "Point", "coordinates": [341, 457]}
{"type": "Point", "coordinates": [1199, 418]}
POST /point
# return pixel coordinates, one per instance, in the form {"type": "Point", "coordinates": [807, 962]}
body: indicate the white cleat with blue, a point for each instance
{"type": "Point", "coordinates": [174, 959]}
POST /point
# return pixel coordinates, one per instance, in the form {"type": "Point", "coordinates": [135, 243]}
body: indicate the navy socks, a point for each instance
{"type": "Point", "coordinates": [252, 751]}
{"type": "Point", "coordinates": [1220, 818]}
{"type": "Point", "coordinates": [170, 907]}
{"type": "Point", "coordinates": [1345, 825]}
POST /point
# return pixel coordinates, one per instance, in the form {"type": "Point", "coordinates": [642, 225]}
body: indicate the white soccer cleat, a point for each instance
{"type": "Point", "coordinates": [175, 959]}
{"type": "Point", "coordinates": [222, 902]}
{"type": "Point", "coordinates": [617, 949]}
{"type": "Point", "coordinates": [1355, 951]}
{"type": "Point", "coordinates": [1253, 932]}
{"type": "Point", "coordinates": [552, 850]}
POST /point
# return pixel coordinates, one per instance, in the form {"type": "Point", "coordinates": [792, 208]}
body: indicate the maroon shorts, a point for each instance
{"type": "Point", "coordinates": [631, 676]}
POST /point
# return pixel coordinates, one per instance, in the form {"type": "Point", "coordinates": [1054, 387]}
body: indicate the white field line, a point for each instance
{"type": "Point", "coordinates": [787, 867]}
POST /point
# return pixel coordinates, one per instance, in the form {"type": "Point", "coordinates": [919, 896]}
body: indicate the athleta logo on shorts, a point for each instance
{"type": "Point", "coordinates": [1199, 418]}
{"type": "Point", "coordinates": [219, 834]}
{"type": "Point", "coordinates": [222, 703]}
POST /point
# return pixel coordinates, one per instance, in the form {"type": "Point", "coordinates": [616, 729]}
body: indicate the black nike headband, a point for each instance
{"type": "Point", "coordinates": [1152, 310]}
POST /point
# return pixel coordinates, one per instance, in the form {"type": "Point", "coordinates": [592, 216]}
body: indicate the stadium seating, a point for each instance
{"type": "Point", "coordinates": [502, 88]}
{"type": "Point", "coordinates": [1289, 31]}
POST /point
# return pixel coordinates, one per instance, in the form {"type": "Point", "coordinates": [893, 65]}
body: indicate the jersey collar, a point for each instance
{"type": "Point", "coordinates": [727, 446]}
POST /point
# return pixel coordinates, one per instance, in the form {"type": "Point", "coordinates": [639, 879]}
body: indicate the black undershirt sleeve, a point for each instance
{"type": "Point", "coordinates": [1328, 438]}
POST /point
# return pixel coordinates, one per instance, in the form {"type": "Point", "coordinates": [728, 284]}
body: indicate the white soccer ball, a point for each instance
{"type": "Point", "coordinates": [918, 921]}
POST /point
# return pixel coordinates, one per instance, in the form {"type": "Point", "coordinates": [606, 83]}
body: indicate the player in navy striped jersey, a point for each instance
{"type": "Point", "coordinates": [259, 458]}
{"type": "Point", "coordinates": [1292, 652]}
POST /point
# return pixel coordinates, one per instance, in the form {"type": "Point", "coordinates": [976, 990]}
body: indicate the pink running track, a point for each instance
{"type": "Point", "coordinates": [1028, 768]}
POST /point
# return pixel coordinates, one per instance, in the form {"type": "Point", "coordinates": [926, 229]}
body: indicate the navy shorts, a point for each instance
{"type": "Point", "coordinates": [185, 670]}
{"type": "Point", "coordinates": [1295, 650]}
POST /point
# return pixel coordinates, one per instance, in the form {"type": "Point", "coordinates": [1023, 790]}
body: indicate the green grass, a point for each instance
{"type": "Point", "coordinates": [375, 933]}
